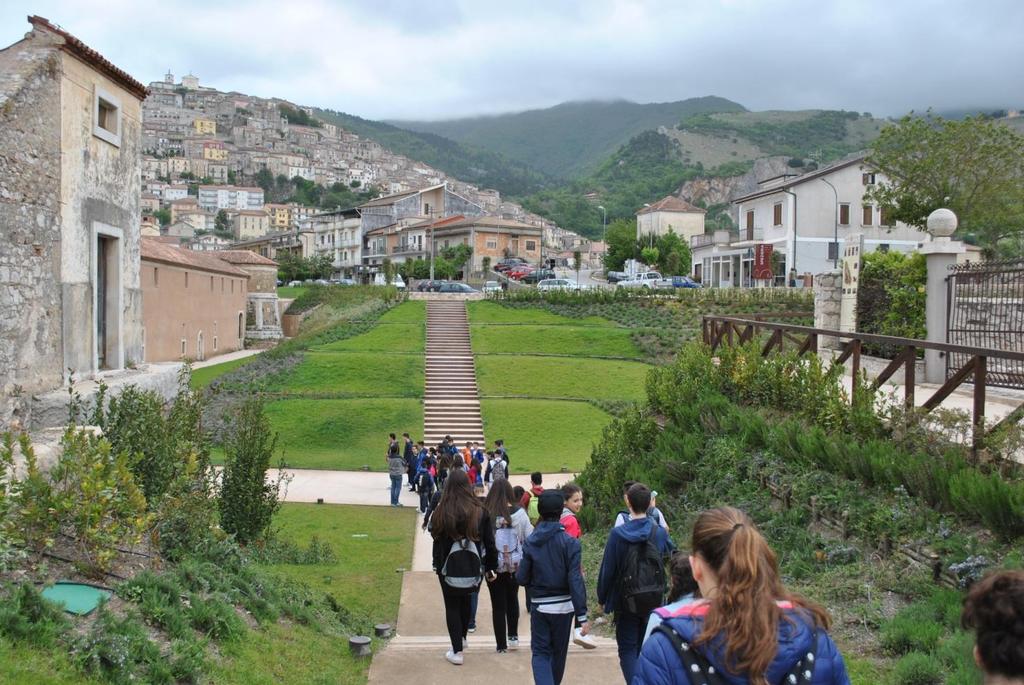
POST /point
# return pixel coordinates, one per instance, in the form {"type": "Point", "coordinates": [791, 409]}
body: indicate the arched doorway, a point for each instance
{"type": "Point", "coordinates": [200, 350]}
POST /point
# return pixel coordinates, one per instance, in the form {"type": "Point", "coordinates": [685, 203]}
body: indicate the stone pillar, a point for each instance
{"type": "Point", "coordinates": [828, 291]}
{"type": "Point", "coordinates": [940, 253]}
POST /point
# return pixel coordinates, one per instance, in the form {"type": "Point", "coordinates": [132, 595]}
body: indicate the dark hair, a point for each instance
{"type": "Point", "coordinates": [500, 500]}
{"type": "Point", "coordinates": [519, 491]}
{"type": "Point", "coordinates": [994, 608]}
{"type": "Point", "coordinates": [745, 610]}
{"type": "Point", "coordinates": [639, 498]}
{"type": "Point", "coordinates": [499, 442]}
{"type": "Point", "coordinates": [457, 515]}
{"type": "Point", "coordinates": [536, 478]}
{"type": "Point", "coordinates": [681, 574]}
{"type": "Point", "coordinates": [391, 435]}
{"type": "Point", "coordinates": [570, 489]}
{"type": "Point", "coordinates": [405, 435]}
{"type": "Point", "coordinates": [627, 485]}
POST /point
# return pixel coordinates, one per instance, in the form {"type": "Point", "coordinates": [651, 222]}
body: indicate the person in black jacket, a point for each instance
{"type": "Point", "coordinates": [463, 535]}
{"type": "Point", "coordinates": [552, 572]}
{"type": "Point", "coordinates": [409, 455]}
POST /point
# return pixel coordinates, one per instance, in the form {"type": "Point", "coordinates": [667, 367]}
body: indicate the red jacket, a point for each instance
{"type": "Point", "coordinates": [572, 526]}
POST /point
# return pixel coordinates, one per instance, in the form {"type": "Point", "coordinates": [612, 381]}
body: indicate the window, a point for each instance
{"type": "Point", "coordinates": [868, 179]}
{"type": "Point", "coordinates": [844, 214]}
{"type": "Point", "coordinates": [868, 217]}
{"type": "Point", "coordinates": [531, 245]}
{"type": "Point", "coordinates": [492, 244]}
{"type": "Point", "coordinates": [156, 277]}
{"type": "Point", "coordinates": [883, 217]}
{"type": "Point", "coordinates": [833, 251]}
{"type": "Point", "coordinates": [776, 214]}
{"type": "Point", "coordinates": [750, 220]}
{"type": "Point", "coordinates": [107, 117]}
{"type": "Point", "coordinates": [214, 343]}
{"type": "Point", "coordinates": [884, 247]}
{"type": "Point", "coordinates": [211, 284]}
{"type": "Point", "coordinates": [184, 347]}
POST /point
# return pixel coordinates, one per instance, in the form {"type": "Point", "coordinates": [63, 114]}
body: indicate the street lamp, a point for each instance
{"type": "Point", "coordinates": [604, 223]}
{"type": "Point", "coordinates": [835, 225]}
{"type": "Point", "coordinates": [431, 244]}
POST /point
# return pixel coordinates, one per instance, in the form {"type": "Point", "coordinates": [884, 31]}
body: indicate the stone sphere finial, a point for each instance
{"type": "Point", "coordinates": [942, 223]}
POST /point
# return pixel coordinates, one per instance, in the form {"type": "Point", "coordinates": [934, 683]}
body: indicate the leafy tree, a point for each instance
{"type": "Point", "coordinates": [232, 177]}
{"type": "Point", "coordinates": [265, 179]}
{"type": "Point", "coordinates": [457, 256]}
{"type": "Point", "coordinates": [673, 253]}
{"type": "Point", "coordinates": [163, 216]}
{"type": "Point", "coordinates": [290, 267]}
{"type": "Point", "coordinates": [220, 223]}
{"type": "Point", "coordinates": [298, 116]}
{"type": "Point", "coordinates": [577, 262]}
{"type": "Point", "coordinates": [320, 265]}
{"type": "Point", "coordinates": [388, 267]}
{"type": "Point", "coordinates": [974, 167]}
{"type": "Point", "coordinates": [649, 255]}
{"type": "Point", "coordinates": [486, 264]}
{"type": "Point", "coordinates": [622, 245]}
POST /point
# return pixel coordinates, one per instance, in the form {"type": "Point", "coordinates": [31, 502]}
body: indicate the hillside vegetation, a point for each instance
{"type": "Point", "coordinates": [572, 139]}
{"type": "Point", "coordinates": [482, 167]}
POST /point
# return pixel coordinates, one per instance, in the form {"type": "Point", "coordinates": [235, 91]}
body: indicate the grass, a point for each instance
{"type": "Point", "coordinates": [561, 377]}
{"type": "Point", "coordinates": [363, 579]}
{"type": "Point", "coordinates": [286, 293]}
{"type": "Point", "coordinates": [22, 663]}
{"type": "Point", "coordinates": [356, 373]}
{"type": "Point", "coordinates": [544, 435]}
{"type": "Point", "coordinates": [410, 311]}
{"type": "Point", "coordinates": [206, 375]}
{"type": "Point", "coordinates": [567, 340]}
{"type": "Point", "coordinates": [407, 338]}
{"type": "Point", "coordinates": [483, 312]}
{"type": "Point", "coordinates": [341, 434]}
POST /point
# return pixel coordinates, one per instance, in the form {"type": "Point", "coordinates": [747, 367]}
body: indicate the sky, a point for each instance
{"type": "Point", "coordinates": [422, 59]}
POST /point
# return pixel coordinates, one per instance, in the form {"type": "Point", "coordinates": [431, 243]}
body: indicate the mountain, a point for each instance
{"type": "Point", "coordinates": [471, 164]}
{"type": "Point", "coordinates": [722, 148]}
{"type": "Point", "coordinates": [572, 139]}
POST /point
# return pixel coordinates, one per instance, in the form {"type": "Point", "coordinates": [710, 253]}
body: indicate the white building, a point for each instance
{"type": "Point", "coordinates": [670, 214]}
{"type": "Point", "coordinates": [340, 235]}
{"type": "Point", "coordinates": [213, 198]}
{"type": "Point", "coordinates": [805, 218]}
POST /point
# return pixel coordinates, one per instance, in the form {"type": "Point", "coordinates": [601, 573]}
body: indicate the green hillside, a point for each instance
{"type": "Point", "coordinates": [571, 139]}
{"type": "Point", "coordinates": [482, 167]}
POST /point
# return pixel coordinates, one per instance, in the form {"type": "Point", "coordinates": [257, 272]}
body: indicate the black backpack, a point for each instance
{"type": "Point", "coordinates": [463, 569]}
{"type": "Point", "coordinates": [642, 576]}
{"type": "Point", "coordinates": [695, 663]}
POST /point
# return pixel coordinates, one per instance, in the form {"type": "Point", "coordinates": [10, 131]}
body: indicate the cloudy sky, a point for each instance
{"type": "Point", "coordinates": [451, 58]}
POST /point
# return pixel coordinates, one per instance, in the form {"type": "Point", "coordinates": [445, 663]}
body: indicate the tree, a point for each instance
{"type": "Point", "coordinates": [220, 223]}
{"type": "Point", "coordinates": [974, 167]}
{"type": "Point", "coordinates": [486, 264]}
{"type": "Point", "coordinates": [649, 255]}
{"type": "Point", "coordinates": [163, 216]}
{"type": "Point", "coordinates": [577, 261]}
{"type": "Point", "coordinates": [265, 179]}
{"type": "Point", "coordinates": [290, 267]}
{"type": "Point", "coordinates": [621, 240]}
{"type": "Point", "coordinates": [320, 265]}
{"type": "Point", "coordinates": [457, 256]}
{"type": "Point", "coordinates": [673, 253]}
{"type": "Point", "coordinates": [233, 177]}
{"type": "Point", "coordinates": [389, 270]}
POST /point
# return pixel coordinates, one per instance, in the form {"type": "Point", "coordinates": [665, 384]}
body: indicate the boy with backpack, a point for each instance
{"type": "Point", "coordinates": [532, 497]}
{"type": "Point", "coordinates": [631, 582]}
{"type": "Point", "coordinates": [652, 512]}
{"type": "Point", "coordinates": [496, 468]}
{"type": "Point", "coordinates": [425, 486]}
{"type": "Point", "coordinates": [551, 570]}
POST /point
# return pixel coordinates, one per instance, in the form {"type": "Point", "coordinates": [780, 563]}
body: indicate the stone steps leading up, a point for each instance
{"type": "Point", "coordinates": [451, 398]}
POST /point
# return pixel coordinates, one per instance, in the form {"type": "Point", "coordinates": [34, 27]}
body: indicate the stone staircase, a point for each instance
{"type": "Point", "coordinates": [451, 400]}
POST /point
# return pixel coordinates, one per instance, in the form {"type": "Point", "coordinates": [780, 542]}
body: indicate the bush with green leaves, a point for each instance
{"type": "Point", "coordinates": [247, 501]}
{"type": "Point", "coordinates": [119, 651]}
{"type": "Point", "coordinates": [917, 669]}
{"type": "Point", "coordinates": [26, 617]}
{"type": "Point", "coordinates": [892, 297]}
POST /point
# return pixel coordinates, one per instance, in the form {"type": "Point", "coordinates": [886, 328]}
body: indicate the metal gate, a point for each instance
{"type": "Point", "coordinates": [986, 309]}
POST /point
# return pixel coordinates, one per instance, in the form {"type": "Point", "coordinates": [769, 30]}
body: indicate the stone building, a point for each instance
{"type": "Point", "coordinates": [263, 316]}
{"type": "Point", "coordinates": [70, 189]}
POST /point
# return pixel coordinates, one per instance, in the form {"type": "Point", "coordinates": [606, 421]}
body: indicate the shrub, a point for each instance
{"type": "Point", "coordinates": [917, 669]}
{"type": "Point", "coordinates": [275, 550]}
{"type": "Point", "coordinates": [186, 519]}
{"type": "Point", "coordinates": [119, 651]}
{"type": "Point", "coordinates": [159, 601]}
{"type": "Point", "coordinates": [214, 617]}
{"type": "Point", "coordinates": [912, 629]}
{"type": "Point", "coordinates": [891, 299]}
{"type": "Point", "coordinates": [247, 501]}
{"type": "Point", "coordinates": [26, 617]}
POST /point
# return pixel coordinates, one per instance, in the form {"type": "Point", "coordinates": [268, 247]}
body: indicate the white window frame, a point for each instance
{"type": "Point", "coordinates": [492, 243]}
{"type": "Point", "coordinates": [114, 138]}
{"type": "Point", "coordinates": [117, 236]}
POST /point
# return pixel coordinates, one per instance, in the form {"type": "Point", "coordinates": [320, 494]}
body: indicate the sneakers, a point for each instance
{"type": "Point", "coordinates": [513, 643]}
{"type": "Point", "coordinates": [584, 641]}
{"type": "Point", "coordinates": [454, 658]}
{"type": "Point", "coordinates": [472, 629]}
{"type": "Point", "coordinates": [500, 651]}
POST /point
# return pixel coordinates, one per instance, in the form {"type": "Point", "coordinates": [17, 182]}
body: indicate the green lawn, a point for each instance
{"type": "Point", "coordinates": [544, 435]}
{"type": "Point", "coordinates": [204, 376]}
{"type": "Point", "coordinates": [396, 337]}
{"type": "Point", "coordinates": [571, 340]}
{"type": "Point", "coordinates": [341, 434]}
{"type": "Point", "coordinates": [364, 578]}
{"type": "Point", "coordinates": [483, 312]}
{"type": "Point", "coordinates": [561, 377]}
{"type": "Point", "coordinates": [286, 293]}
{"type": "Point", "coordinates": [410, 311]}
{"type": "Point", "coordinates": [357, 373]}
{"type": "Point", "coordinates": [22, 663]}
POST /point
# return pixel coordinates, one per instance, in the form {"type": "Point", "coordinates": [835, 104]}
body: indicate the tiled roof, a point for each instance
{"type": "Point", "coordinates": [245, 257]}
{"type": "Point", "coordinates": [79, 49]}
{"type": "Point", "coordinates": [854, 158]}
{"type": "Point", "coordinates": [671, 203]}
{"type": "Point", "coordinates": [489, 222]}
{"type": "Point", "coordinates": [154, 250]}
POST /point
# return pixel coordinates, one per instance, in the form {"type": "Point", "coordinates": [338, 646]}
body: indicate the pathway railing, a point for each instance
{"type": "Point", "coordinates": [724, 330]}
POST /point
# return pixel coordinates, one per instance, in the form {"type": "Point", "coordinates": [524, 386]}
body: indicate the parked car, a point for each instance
{"type": "Point", "coordinates": [679, 282]}
{"type": "Point", "coordinates": [457, 288]}
{"type": "Point", "coordinates": [508, 264]}
{"type": "Point", "coordinates": [616, 276]}
{"type": "Point", "coordinates": [492, 287]}
{"type": "Point", "coordinates": [343, 281]}
{"type": "Point", "coordinates": [645, 280]}
{"type": "Point", "coordinates": [537, 276]}
{"type": "Point", "coordinates": [520, 271]}
{"type": "Point", "coordinates": [428, 286]}
{"type": "Point", "coordinates": [294, 284]}
{"type": "Point", "coordinates": [560, 284]}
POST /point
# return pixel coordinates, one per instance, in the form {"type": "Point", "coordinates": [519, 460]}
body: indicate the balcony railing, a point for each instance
{"type": "Point", "coordinates": [723, 237]}
{"type": "Point", "coordinates": [412, 248]}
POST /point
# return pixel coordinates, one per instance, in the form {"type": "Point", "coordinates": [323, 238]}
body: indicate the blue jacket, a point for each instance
{"type": "Point", "coordinates": [659, 663]}
{"type": "Point", "coordinates": [551, 568]}
{"type": "Point", "coordinates": [615, 550]}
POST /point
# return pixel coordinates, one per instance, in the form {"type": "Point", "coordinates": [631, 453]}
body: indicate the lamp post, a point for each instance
{"type": "Point", "coordinates": [604, 223]}
{"type": "Point", "coordinates": [835, 225]}
{"type": "Point", "coordinates": [431, 244]}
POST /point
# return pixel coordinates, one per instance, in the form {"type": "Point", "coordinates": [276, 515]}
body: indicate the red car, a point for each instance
{"type": "Point", "coordinates": [520, 271]}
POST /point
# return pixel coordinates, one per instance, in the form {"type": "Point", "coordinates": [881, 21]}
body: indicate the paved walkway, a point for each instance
{"type": "Point", "coordinates": [228, 357]}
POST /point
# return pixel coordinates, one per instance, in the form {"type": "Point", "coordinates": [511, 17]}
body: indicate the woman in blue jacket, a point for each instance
{"type": "Point", "coordinates": [747, 628]}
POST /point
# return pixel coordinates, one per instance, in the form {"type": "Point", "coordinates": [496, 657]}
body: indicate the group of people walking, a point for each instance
{"type": "Point", "coordinates": [726, 618]}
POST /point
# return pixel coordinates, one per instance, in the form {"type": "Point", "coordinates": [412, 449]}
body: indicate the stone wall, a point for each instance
{"type": "Point", "coordinates": [30, 234]}
{"type": "Point", "coordinates": [828, 290]}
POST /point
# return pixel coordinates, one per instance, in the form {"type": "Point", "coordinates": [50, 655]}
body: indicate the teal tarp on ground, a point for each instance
{"type": "Point", "coordinates": [76, 598]}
